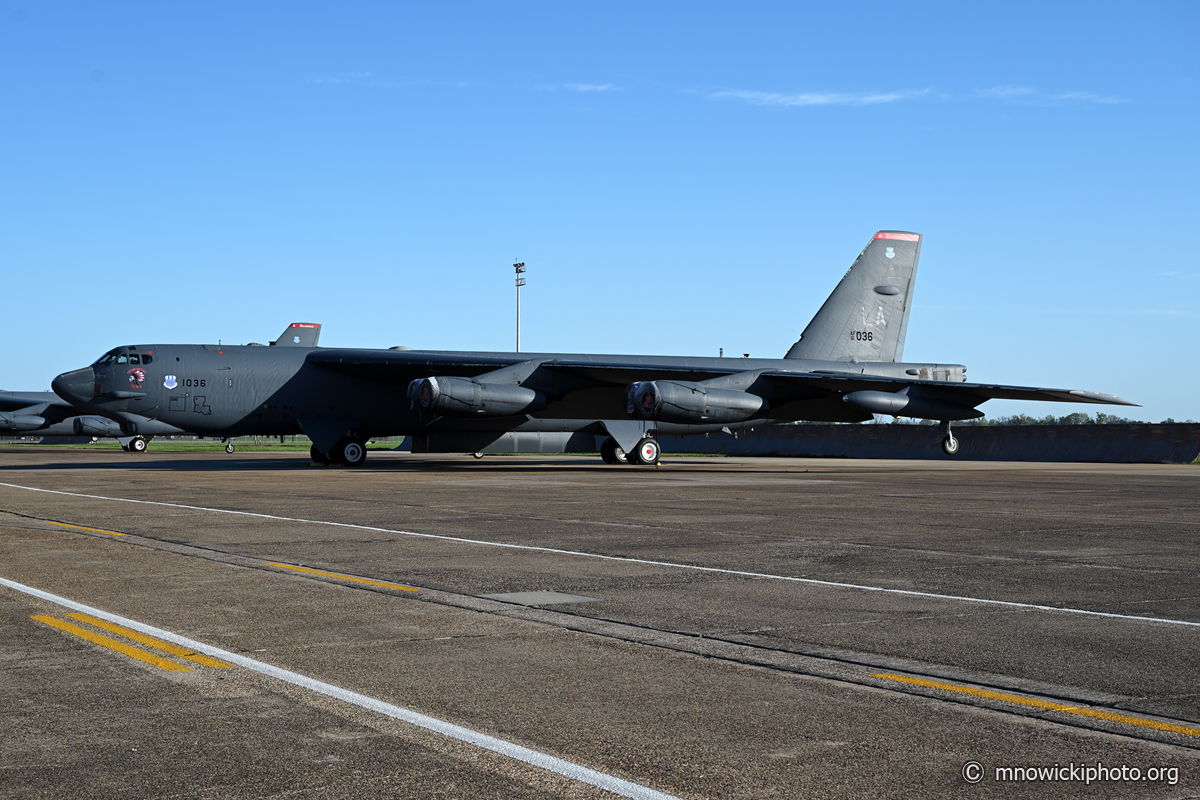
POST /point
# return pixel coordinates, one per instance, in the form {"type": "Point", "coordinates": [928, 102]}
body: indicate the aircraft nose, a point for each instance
{"type": "Point", "coordinates": [75, 386]}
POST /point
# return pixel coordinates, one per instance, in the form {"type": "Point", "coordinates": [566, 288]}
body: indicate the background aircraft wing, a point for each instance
{"type": "Point", "coordinates": [43, 404]}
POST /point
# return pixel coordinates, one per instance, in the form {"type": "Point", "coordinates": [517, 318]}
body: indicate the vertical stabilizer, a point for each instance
{"type": "Point", "coordinates": [866, 317]}
{"type": "Point", "coordinates": [299, 334]}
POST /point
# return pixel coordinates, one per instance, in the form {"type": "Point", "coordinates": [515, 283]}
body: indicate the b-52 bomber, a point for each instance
{"type": "Point", "coordinates": [845, 367]}
{"type": "Point", "coordinates": [46, 414]}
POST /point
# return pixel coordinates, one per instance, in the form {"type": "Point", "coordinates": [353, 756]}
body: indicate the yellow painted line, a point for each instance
{"type": "Point", "coordinates": [345, 577]}
{"type": "Point", "coordinates": [82, 528]}
{"type": "Point", "coordinates": [113, 644]}
{"type": "Point", "coordinates": [166, 647]}
{"type": "Point", "coordinates": [1049, 706]}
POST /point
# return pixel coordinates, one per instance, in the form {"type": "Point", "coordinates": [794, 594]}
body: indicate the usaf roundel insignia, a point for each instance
{"type": "Point", "coordinates": [891, 252]}
{"type": "Point", "coordinates": [170, 382]}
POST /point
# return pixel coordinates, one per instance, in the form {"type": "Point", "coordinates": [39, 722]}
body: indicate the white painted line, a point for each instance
{"type": "Point", "coordinates": [668, 564]}
{"type": "Point", "coordinates": [535, 758]}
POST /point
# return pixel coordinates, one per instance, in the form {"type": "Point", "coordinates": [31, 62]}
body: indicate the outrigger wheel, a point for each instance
{"type": "Point", "coordinates": [229, 447]}
{"type": "Point", "coordinates": [949, 443]}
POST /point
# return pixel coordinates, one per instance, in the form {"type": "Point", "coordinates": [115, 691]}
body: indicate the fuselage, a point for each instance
{"type": "Point", "coordinates": [249, 389]}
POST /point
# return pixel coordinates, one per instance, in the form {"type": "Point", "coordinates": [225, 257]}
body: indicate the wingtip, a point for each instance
{"type": "Point", "coordinates": [1107, 399]}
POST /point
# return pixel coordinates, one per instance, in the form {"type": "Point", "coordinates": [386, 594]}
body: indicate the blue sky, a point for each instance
{"type": "Point", "coordinates": [678, 177]}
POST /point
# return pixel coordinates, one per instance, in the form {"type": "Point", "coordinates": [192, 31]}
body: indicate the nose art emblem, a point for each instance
{"type": "Point", "coordinates": [170, 382]}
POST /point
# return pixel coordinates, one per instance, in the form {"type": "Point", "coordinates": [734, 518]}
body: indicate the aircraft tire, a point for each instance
{"type": "Point", "coordinates": [350, 452]}
{"type": "Point", "coordinates": [950, 445]}
{"type": "Point", "coordinates": [229, 448]}
{"type": "Point", "coordinates": [647, 452]}
{"type": "Point", "coordinates": [317, 456]}
{"type": "Point", "coordinates": [137, 444]}
{"type": "Point", "coordinates": [611, 452]}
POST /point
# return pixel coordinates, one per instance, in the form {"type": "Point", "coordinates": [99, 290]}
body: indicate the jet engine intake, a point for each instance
{"type": "Point", "coordinates": [687, 402]}
{"type": "Point", "coordinates": [97, 426]}
{"type": "Point", "coordinates": [899, 404]}
{"type": "Point", "coordinates": [10, 421]}
{"type": "Point", "coordinates": [464, 397]}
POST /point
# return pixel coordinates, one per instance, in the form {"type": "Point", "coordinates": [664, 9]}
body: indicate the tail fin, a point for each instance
{"type": "Point", "coordinates": [866, 317]}
{"type": "Point", "coordinates": [299, 334]}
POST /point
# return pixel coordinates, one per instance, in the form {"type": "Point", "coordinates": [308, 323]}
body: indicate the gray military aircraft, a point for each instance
{"type": "Point", "coordinates": [845, 368]}
{"type": "Point", "coordinates": [45, 414]}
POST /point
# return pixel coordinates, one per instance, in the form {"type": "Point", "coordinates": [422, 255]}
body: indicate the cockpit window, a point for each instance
{"type": "Point", "coordinates": [122, 358]}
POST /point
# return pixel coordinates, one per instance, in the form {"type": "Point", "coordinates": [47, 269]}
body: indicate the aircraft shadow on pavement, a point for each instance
{"type": "Point", "coordinates": [274, 463]}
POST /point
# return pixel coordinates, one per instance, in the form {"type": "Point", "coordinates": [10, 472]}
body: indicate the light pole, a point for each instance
{"type": "Point", "coordinates": [520, 268]}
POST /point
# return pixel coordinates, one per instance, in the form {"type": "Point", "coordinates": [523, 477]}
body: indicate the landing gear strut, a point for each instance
{"type": "Point", "coordinates": [949, 443]}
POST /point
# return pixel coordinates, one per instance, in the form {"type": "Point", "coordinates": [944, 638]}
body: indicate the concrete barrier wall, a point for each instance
{"type": "Point", "coordinates": [1165, 443]}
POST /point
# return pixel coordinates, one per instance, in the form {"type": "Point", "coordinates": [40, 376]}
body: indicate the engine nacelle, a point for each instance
{"type": "Point", "coordinates": [97, 426]}
{"type": "Point", "coordinates": [902, 405]}
{"type": "Point", "coordinates": [20, 422]}
{"type": "Point", "coordinates": [683, 401]}
{"type": "Point", "coordinates": [464, 397]}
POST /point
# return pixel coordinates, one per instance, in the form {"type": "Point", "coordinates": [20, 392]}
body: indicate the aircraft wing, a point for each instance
{"type": "Point", "coordinates": [401, 366]}
{"type": "Point", "coordinates": [967, 393]}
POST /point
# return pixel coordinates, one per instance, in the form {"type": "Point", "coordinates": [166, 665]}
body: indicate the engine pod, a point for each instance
{"type": "Point", "coordinates": [464, 397]}
{"type": "Point", "coordinates": [687, 402]}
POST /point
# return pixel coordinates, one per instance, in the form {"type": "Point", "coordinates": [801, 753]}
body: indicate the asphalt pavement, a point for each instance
{"type": "Point", "coordinates": [252, 625]}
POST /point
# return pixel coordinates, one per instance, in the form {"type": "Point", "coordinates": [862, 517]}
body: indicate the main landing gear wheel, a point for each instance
{"type": "Point", "coordinates": [317, 456]}
{"type": "Point", "coordinates": [137, 444]}
{"type": "Point", "coordinates": [647, 452]}
{"type": "Point", "coordinates": [477, 455]}
{"type": "Point", "coordinates": [350, 452]}
{"type": "Point", "coordinates": [611, 453]}
{"type": "Point", "coordinates": [229, 448]}
{"type": "Point", "coordinates": [950, 445]}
